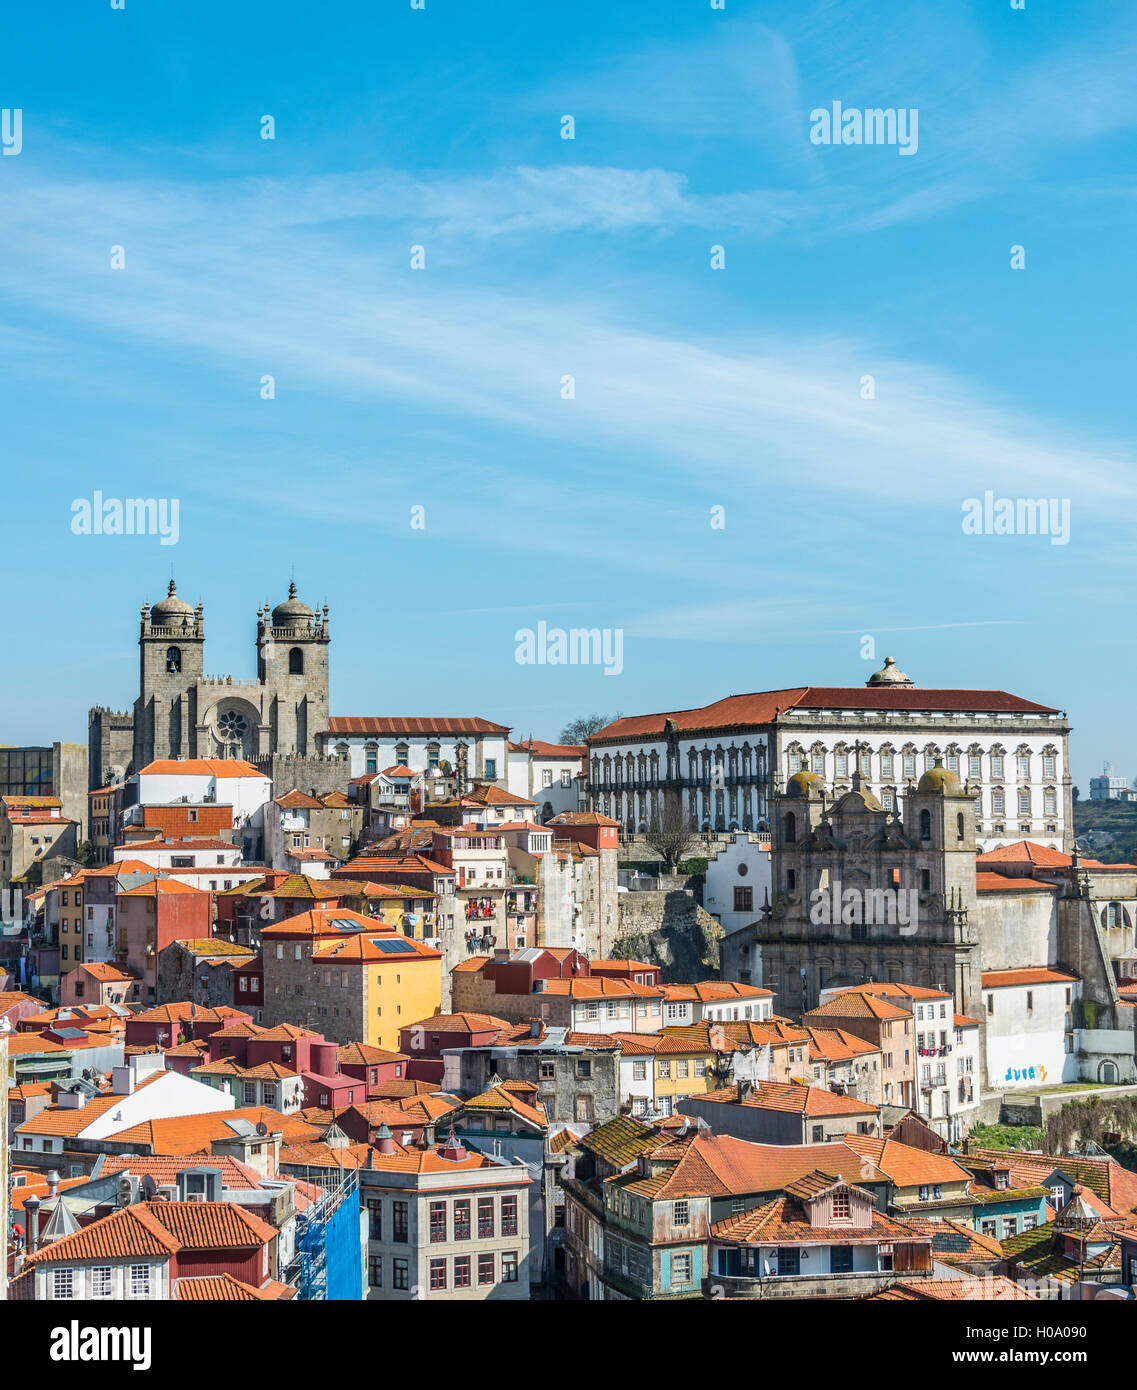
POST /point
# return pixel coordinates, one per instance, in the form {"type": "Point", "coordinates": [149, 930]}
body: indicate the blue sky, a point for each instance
{"type": "Point", "coordinates": [544, 257]}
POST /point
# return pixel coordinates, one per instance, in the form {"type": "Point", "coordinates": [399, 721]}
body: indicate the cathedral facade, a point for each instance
{"type": "Point", "coordinates": [182, 713]}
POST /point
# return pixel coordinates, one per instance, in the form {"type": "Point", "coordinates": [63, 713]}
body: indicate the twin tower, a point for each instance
{"type": "Point", "coordinates": [182, 713]}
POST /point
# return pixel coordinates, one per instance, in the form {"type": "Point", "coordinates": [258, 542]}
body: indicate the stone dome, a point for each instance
{"type": "Point", "coordinates": [292, 612]}
{"type": "Point", "coordinates": [889, 674]}
{"type": "Point", "coordinates": [170, 611]}
{"type": "Point", "coordinates": [939, 780]}
{"type": "Point", "coordinates": [804, 783]}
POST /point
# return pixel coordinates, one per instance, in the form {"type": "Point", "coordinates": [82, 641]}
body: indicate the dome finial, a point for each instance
{"type": "Point", "coordinates": [890, 674]}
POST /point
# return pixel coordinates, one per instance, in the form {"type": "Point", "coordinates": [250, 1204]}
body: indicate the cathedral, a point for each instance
{"type": "Point", "coordinates": [182, 713]}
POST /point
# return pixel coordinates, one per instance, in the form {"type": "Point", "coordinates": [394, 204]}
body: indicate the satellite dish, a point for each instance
{"type": "Point", "coordinates": [149, 1186]}
{"type": "Point", "coordinates": [262, 1128]}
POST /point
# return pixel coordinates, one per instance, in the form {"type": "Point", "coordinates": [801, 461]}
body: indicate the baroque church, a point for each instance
{"type": "Point", "coordinates": [182, 713]}
{"type": "Point", "coordinates": [847, 855]}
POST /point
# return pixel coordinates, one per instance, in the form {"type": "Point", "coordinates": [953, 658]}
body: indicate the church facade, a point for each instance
{"type": "Point", "coordinates": [181, 712]}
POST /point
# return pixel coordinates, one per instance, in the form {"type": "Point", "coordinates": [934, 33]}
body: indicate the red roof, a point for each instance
{"type": "Point", "coordinates": [201, 767]}
{"type": "Point", "coordinates": [1034, 975]}
{"type": "Point", "coordinates": [391, 725]}
{"type": "Point", "coordinates": [763, 707]}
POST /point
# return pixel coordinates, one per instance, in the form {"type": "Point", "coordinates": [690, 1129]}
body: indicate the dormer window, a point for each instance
{"type": "Point", "coordinates": [842, 1206]}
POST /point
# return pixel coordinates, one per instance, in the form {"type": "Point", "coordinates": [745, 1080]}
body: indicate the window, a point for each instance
{"type": "Point", "coordinates": [491, 775]}
{"type": "Point", "coordinates": [1024, 767]}
{"type": "Point", "coordinates": [639, 1071]}
{"type": "Point", "coordinates": [790, 823]}
{"type": "Point", "coordinates": [375, 1271]}
{"type": "Point", "coordinates": [789, 1261]}
{"type": "Point", "coordinates": [485, 1269]}
{"type": "Point", "coordinates": [974, 765]}
{"type": "Point", "coordinates": [485, 1218]}
{"type": "Point", "coordinates": [584, 1069]}
{"type": "Point", "coordinates": [462, 1220]}
{"type": "Point", "coordinates": [925, 825]}
{"type": "Point", "coordinates": [743, 899]}
{"type": "Point", "coordinates": [437, 1223]}
{"type": "Point", "coordinates": [681, 1068]}
{"type": "Point", "coordinates": [841, 1259]}
{"type": "Point", "coordinates": [462, 1272]}
{"type": "Point", "coordinates": [1010, 1226]}
{"type": "Point", "coordinates": [817, 1134]}
{"type": "Point", "coordinates": [140, 1281]}
{"type": "Point", "coordinates": [665, 1069]}
{"type": "Point", "coordinates": [681, 1213]}
{"type": "Point", "coordinates": [437, 1274]}
{"type": "Point", "coordinates": [548, 1071]}
{"type": "Point", "coordinates": [173, 660]}
{"type": "Point", "coordinates": [681, 1268]}
{"type": "Point", "coordinates": [509, 1216]}
{"type": "Point", "coordinates": [989, 1228]}
{"type": "Point", "coordinates": [909, 764]}
{"type": "Point", "coordinates": [842, 1209]}
{"type": "Point", "coordinates": [374, 1219]}
{"type": "Point", "coordinates": [101, 1277]}
{"type": "Point", "coordinates": [62, 1283]}
{"type": "Point", "coordinates": [402, 1274]}
{"type": "Point", "coordinates": [509, 1267]}
{"type": "Point", "coordinates": [399, 1221]}
{"type": "Point", "coordinates": [1024, 803]}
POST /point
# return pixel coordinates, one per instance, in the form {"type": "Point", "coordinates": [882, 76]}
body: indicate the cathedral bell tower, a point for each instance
{"type": "Point", "coordinates": [170, 644]}
{"type": "Point", "coordinates": [292, 664]}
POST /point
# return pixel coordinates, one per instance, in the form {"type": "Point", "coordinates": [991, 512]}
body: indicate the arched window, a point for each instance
{"type": "Point", "coordinates": [174, 659]}
{"type": "Point", "coordinates": [925, 825]}
{"type": "Point", "coordinates": [295, 662]}
{"type": "Point", "coordinates": [791, 828]}
{"type": "Point", "coordinates": [959, 826]}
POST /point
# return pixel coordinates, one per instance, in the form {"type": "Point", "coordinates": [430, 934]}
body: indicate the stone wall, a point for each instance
{"type": "Point", "coordinates": [312, 774]}
{"type": "Point", "coordinates": [671, 930]}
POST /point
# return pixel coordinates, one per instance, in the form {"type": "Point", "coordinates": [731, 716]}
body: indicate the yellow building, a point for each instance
{"type": "Point", "coordinates": [352, 978]}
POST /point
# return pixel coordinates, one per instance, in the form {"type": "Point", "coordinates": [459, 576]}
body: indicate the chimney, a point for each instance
{"type": "Point", "coordinates": [122, 1080]}
{"type": "Point", "coordinates": [384, 1142]}
{"type": "Point", "coordinates": [31, 1222]}
{"type": "Point", "coordinates": [53, 1183]}
{"type": "Point", "coordinates": [536, 1027]}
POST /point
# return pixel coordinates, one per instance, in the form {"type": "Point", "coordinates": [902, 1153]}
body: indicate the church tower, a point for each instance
{"type": "Point", "coordinates": [292, 665]}
{"type": "Point", "coordinates": [170, 644]}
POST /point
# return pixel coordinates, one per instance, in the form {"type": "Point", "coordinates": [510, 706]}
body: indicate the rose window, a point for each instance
{"type": "Point", "coordinates": [232, 726]}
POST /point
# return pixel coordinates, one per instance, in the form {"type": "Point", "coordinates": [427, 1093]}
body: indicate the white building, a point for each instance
{"type": "Point", "coordinates": [219, 781]}
{"type": "Point", "coordinates": [168, 853]}
{"type": "Point", "coordinates": [737, 881]}
{"type": "Point", "coordinates": [723, 757]}
{"type": "Point", "coordinates": [1030, 1027]}
{"type": "Point", "coordinates": [550, 774]}
{"type": "Point", "coordinates": [434, 747]}
{"type": "Point", "coordinates": [1107, 787]}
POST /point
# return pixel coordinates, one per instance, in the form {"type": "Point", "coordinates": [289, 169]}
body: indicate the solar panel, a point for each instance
{"type": "Point", "coordinates": [398, 946]}
{"type": "Point", "coordinates": [949, 1241]}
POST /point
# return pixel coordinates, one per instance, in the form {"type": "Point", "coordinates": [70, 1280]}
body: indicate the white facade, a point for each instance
{"type": "Point", "coordinates": [487, 751]}
{"type": "Point", "coordinates": [1030, 1037]}
{"type": "Point", "coordinates": [183, 854]}
{"type": "Point", "coordinates": [550, 775]}
{"type": "Point", "coordinates": [737, 881]}
{"type": "Point", "coordinates": [1012, 752]}
{"type": "Point", "coordinates": [195, 781]}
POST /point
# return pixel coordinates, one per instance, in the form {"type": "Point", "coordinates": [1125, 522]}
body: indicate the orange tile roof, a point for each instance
{"type": "Point", "coordinates": [714, 991]}
{"type": "Point", "coordinates": [990, 882]}
{"type": "Point", "coordinates": [485, 794]}
{"type": "Point", "coordinates": [460, 1023]}
{"type": "Point", "coordinates": [882, 989]}
{"type": "Point", "coordinates": [191, 1134]}
{"type": "Point", "coordinates": [364, 1055]}
{"type": "Point", "coordinates": [200, 767]}
{"type": "Point", "coordinates": [363, 950]}
{"type": "Point", "coordinates": [837, 1045]}
{"type": "Point", "coordinates": [100, 970]}
{"type": "Point", "coordinates": [158, 886]}
{"type": "Point", "coordinates": [1034, 975]}
{"type": "Point", "coordinates": [905, 1165]}
{"type": "Point", "coordinates": [131, 1231]}
{"type": "Point", "coordinates": [792, 1098]}
{"type": "Point", "coordinates": [325, 921]}
{"type": "Point", "coordinates": [212, 1225]}
{"type": "Point", "coordinates": [993, 1288]}
{"type": "Point", "coordinates": [854, 1005]}
{"type": "Point", "coordinates": [223, 1288]}
{"type": "Point", "coordinates": [784, 1221]}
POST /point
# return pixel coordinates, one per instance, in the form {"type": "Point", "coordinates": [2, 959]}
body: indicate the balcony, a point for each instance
{"type": "Point", "coordinates": [857, 1284]}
